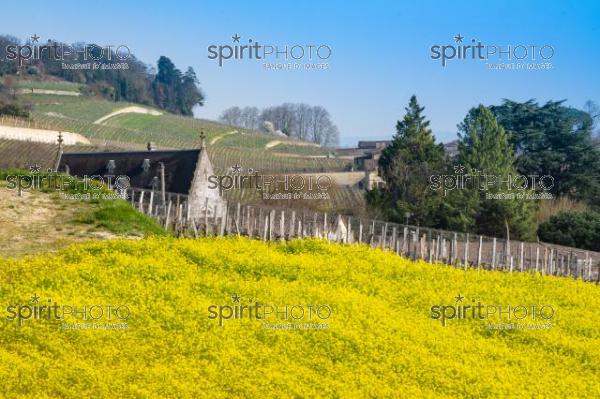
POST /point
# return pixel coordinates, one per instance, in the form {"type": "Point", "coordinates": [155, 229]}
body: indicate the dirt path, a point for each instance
{"type": "Point", "coordinates": [273, 143]}
{"type": "Point", "coordinates": [40, 135]}
{"type": "Point", "coordinates": [128, 110]}
{"type": "Point", "coordinates": [214, 140]}
{"type": "Point", "coordinates": [38, 222]}
{"type": "Point", "coordinates": [44, 91]}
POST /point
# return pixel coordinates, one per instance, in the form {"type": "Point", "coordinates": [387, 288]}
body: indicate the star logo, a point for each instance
{"type": "Point", "coordinates": [236, 38]}
{"type": "Point", "coordinates": [459, 169]}
{"type": "Point", "coordinates": [236, 168]}
{"type": "Point", "coordinates": [458, 38]}
{"type": "Point", "coordinates": [459, 298]}
{"type": "Point", "coordinates": [34, 168]}
{"type": "Point", "coordinates": [235, 298]}
{"type": "Point", "coordinates": [35, 38]}
{"type": "Point", "coordinates": [35, 298]}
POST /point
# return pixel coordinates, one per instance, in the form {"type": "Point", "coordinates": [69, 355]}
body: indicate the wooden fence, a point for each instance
{"type": "Point", "coordinates": [433, 245]}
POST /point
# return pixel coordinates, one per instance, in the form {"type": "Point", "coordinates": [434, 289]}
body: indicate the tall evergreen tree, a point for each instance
{"type": "Point", "coordinates": [554, 140]}
{"type": "Point", "coordinates": [484, 150]}
{"type": "Point", "coordinates": [188, 93]}
{"type": "Point", "coordinates": [406, 166]}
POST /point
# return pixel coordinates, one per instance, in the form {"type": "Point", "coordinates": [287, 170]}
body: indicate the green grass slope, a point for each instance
{"type": "Point", "coordinates": [132, 130]}
{"type": "Point", "coordinates": [45, 220]}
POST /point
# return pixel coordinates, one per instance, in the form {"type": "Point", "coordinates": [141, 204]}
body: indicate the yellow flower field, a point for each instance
{"type": "Point", "coordinates": [379, 340]}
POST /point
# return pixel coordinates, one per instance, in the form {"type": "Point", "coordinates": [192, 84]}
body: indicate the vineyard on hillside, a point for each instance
{"type": "Point", "coordinates": [228, 146]}
{"type": "Point", "coordinates": [59, 85]}
{"type": "Point", "coordinates": [21, 154]}
{"type": "Point", "coordinates": [341, 199]}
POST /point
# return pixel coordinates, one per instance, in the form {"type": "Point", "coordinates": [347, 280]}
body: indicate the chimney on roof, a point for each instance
{"type": "Point", "coordinates": [151, 146]}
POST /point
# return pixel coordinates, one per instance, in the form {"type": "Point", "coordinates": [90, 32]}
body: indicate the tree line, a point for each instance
{"type": "Point", "coordinates": [513, 140]}
{"type": "Point", "coordinates": [301, 121]}
{"type": "Point", "coordinates": [165, 87]}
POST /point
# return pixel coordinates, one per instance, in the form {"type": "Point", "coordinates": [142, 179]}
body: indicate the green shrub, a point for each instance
{"type": "Point", "coordinates": [573, 229]}
{"type": "Point", "coordinates": [14, 110]}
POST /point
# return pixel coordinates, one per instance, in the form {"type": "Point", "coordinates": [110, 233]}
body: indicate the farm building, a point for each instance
{"type": "Point", "coordinates": [173, 171]}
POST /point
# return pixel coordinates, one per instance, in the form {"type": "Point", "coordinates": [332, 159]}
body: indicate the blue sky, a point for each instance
{"type": "Point", "coordinates": [380, 52]}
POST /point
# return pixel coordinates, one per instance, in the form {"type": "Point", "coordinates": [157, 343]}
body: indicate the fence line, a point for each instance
{"type": "Point", "coordinates": [218, 218]}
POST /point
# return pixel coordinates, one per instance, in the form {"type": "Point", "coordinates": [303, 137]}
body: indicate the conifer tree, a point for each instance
{"type": "Point", "coordinates": [406, 166]}
{"type": "Point", "coordinates": [485, 204]}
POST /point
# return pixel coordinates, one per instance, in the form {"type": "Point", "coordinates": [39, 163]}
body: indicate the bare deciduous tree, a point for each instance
{"type": "Point", "coordinates": [301, 121]}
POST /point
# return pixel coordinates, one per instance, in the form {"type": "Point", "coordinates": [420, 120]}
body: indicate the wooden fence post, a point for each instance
{"type": "Point", "coordinates": [360, 231]}
{"type": "Point", "coordinates": [265, 227]}
{"type": "Point", "coordinates": [224, 219]}
{"type": "Point", "coordinates": [151, 203]}
{"type": "Point", "coordinates": [168, 215]}
{"type": "Point", "coordinates": [494, 253]}
{"type": "Point", "coordinates": [454, 250]}
{"type": "Point", "coordinates": [521, 254]}
{"type": "Point", "coordinates": [479, 252]}
{"type": "Point", "coordinates": [141, 202]}
{"type": "Point", "coordinates": [467, 251]}
{"type": "Point", "coordinates": [271, 224]}
{"type": "Point", "coordinates": [238, 222]}
{"type": "Point", "coordinates": [349, 231]}
{"type": "Point", "coordinates": [249, 221]}
{"type": "Point", "coordinates": [282, 226]}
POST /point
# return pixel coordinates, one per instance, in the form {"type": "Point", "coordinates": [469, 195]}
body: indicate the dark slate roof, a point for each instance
{"type": "Point", "coordinates": [373, 144]}
{"type": "Point", "coordinates": [179, 167]}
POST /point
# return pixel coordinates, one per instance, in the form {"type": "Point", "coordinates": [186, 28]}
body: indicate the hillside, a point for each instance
{"type": "Point", "coordinates": [91, 117]}
{"type": "Point", "coordinates": [91, 123]}
{"type": "Point", "coordinates": [379, 340]}
{"type": "Point", "coordinates": [45, 221]}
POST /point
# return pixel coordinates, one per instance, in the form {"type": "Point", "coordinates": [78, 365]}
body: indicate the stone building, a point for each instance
{"type": "Point", "coordinates": [174, 171]}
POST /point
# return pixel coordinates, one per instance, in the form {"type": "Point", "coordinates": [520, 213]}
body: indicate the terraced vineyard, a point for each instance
{"type": "Point", "coordinates": [49, 85]}
{"type": "Point", "coordinates": [178, 126]}
{"type": "Point", "coordinates": [228, 145]}
{"type": "Point", "coordinates": [342, 199]}
{"type": "Point", "coordinates": [81, 108]}
{"type": "Point", "coordinates": [21, 154]}
{"type": "Point", "coordinates": [265, 161]}
{"type": "Point", "coordinates": [301, 150]}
